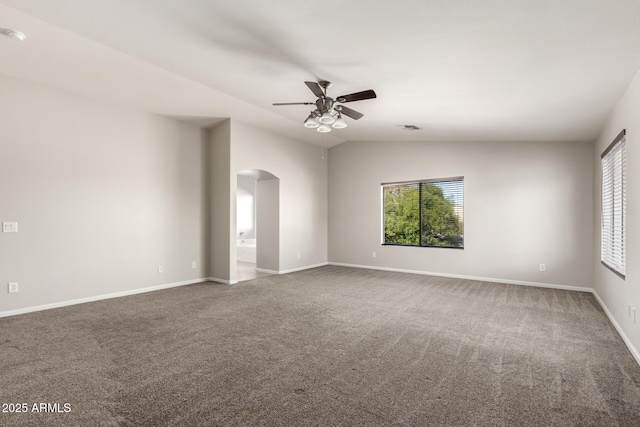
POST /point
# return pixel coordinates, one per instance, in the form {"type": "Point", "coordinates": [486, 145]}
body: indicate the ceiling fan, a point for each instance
{"type": "Point", "coordinates": [327, 112]}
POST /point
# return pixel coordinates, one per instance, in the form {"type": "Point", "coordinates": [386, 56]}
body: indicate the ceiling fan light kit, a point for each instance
{"type": "Point", "coordinates": [327, 118]}
{"type": "Point", "coordinates": [339, 123]}
{"type": "Point", "coordinates": [311, 122]}
{"type": "Point", "coordinates": [328, 111]}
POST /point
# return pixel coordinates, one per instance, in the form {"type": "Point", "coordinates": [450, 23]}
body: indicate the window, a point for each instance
{"type": "Point", "coordinates": [423, 213]}
{"type": "Point", "coordinates": [614, 202]}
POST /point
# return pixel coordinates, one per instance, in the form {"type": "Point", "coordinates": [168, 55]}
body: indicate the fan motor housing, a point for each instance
{"type": "Point", "coordinates": [324, 104]}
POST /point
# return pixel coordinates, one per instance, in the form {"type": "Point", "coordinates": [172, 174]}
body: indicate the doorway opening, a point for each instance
{"type": "Point", "coordinates": [257, 224]}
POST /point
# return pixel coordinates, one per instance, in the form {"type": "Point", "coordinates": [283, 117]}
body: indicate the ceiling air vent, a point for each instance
{"type": "Point", "coordinates": [409, 127]}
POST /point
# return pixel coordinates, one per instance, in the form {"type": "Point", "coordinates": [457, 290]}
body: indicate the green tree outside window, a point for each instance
{"type": "Point", "coordinates": [428, 213]}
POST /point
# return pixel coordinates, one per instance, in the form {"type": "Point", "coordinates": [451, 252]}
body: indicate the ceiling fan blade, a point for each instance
{"type": "Point", "coordinates": [315, 88]}
{"type": "Point", "coordinates": [294, 103]}
{"type": "Point", "coordinates": [355, 115]}
{"type": "Point", "coordinates": [358, 96]}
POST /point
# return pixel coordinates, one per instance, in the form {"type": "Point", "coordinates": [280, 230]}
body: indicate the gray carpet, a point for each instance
{"type": "Point", "coordinates": [323, 347]}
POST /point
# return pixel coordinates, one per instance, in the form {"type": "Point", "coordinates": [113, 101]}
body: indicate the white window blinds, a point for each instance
{"type": "Point", "coordinates": [613, 241]}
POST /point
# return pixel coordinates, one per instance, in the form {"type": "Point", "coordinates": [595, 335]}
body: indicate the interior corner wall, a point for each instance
{"type": "Point", "coordinates": [618, 294]}
{"type": "Point", "coordinates": [103, 196]}
{"type": "Point", "coordinates": [525, 204]}
{"type": "Point", "coordinates": [302, 174]}
{"type": "Point", "coordinates": [222, 209]}
{"type": "Point", "coordinates": [268, 224]}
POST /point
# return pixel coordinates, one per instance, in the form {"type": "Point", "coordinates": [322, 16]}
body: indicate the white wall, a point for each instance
{"type": "Point", "coordinates": [302, 175]}
{"type": "Point", "coordinates": [268, 225]}
{"type": "Point", "coordinates": [302, 191]}
{"type": "Point", "coordinates": [103, 195]}
{"type": "Point", "coordinates": [524, 204]}
{"type": "Point", "coordinates": [246, 207]}
{"type": "Point", "coordinates": [222, 236]}
{"type": "Point", "coordinates": [616, 293]}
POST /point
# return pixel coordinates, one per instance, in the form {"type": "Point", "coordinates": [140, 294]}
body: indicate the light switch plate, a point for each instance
{"type": "Point", "coordinates": [9, 227]}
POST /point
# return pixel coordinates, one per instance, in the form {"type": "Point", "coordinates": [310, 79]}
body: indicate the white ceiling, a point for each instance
{"type": "Point", "coordinates": [506, 70]}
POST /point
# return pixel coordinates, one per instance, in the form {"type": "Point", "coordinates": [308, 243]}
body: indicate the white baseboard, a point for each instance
{"type": "Point", "coordinates": [306, 267]}
{"type": "Point", "coordinates": [264, 270]}
{"type": "Point", "coordinates": [627, 341]}
{"type": "Point", "coordinates": [634, 352]}
{"type": "Point", "coordinates": [460, 276]}
{"type": "Point", "coordinates": [98, 298]}
{"type": "Point", "coordinates": [292, 270]}
{"type": "Point", "coordinates": [223, 281]}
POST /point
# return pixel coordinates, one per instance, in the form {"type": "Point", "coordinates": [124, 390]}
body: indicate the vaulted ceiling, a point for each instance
{"type": "Point", "coordinates": [504, 70]}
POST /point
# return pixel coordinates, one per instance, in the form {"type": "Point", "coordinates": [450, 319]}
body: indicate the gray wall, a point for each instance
{"type": "Point", "coordinates": [103, 195]}
{"type": "Point", "coordinates": [302, 175]}
{"type": "Point", "coordinates": [302, 197]}
{"type": "Point", "coordinates": [246, 207]}
{"type": "Point", "coordinates": [524, 204]}
{"type": "Point", "coordinates": [617, 294]}
{"type": "Point", "coordinates": [222, 236]}
{"type": "Point", "coordinates": [268, 225]}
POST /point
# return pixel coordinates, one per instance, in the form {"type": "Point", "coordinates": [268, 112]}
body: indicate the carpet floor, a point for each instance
{"type": "Point", "coordinates": [330, 346]}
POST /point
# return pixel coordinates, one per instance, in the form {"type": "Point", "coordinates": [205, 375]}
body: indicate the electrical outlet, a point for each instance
{"type": "Point", "coordinates": [160, 269]}
{"type": "Point", "coordinates": [543, 267]}
{"type": "Point", "coordinates": [373, 255]}
{"type": "Point", "coordinates": [13, 287]}
{"type": "Point", "coordinates": [9, 227]}
{"type": "Point", "coordinates": [298, 255]}
{"type": "Point", "coordinates": [193, 264]}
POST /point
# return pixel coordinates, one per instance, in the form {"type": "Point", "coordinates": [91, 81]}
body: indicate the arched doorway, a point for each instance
{"type": "Point", "coordinates": [257, 224]}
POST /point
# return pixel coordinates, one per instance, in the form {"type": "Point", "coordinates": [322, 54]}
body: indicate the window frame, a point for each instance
{"type": "Point", "coordinates": [419, 181]}
{"type": "Point", "coordinates": [609, 246]}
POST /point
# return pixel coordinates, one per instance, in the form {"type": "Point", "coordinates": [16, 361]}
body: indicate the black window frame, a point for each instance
{"type": "Point", "coordinates": [421, 183]}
